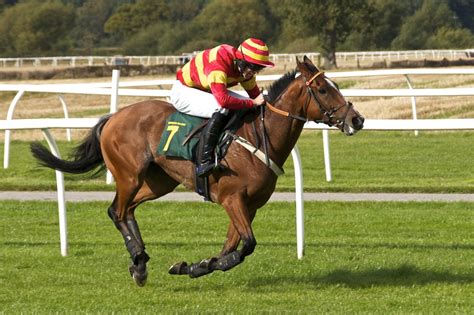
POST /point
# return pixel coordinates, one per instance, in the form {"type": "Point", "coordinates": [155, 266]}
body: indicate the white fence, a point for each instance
{"type": "Point", "coordinates": [73, 61]}
{"type": "Point", "coordinates": [114, 90]}
{"type": "Point", "coordinates": [407, 54]}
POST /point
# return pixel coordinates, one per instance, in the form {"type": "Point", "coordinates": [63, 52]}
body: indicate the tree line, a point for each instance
{"type": "Point", "coordinates": [161, 27]}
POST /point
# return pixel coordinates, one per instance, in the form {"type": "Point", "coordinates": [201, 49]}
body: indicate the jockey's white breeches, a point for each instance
{"type": "Point", "coordinates": [196, 102]}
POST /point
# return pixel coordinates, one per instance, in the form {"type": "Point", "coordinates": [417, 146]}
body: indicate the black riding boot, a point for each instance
{"type": "Point", "coordinates": [209, 138]}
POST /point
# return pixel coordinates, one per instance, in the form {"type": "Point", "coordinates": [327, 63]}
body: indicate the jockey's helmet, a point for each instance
{"type": "Point", "coordinates": [254, 52]}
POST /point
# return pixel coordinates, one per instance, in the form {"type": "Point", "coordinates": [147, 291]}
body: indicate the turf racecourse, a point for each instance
{"type": "Point", "coordinates": [361, 257]}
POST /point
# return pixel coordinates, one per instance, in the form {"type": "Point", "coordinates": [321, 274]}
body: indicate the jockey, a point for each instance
{"type": "Point", "coordinates": [201, 89]}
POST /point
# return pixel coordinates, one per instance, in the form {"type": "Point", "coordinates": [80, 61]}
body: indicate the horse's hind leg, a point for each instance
{"type": "Point", "coordinates": [129, 179]}
{"type": "Point", "coordinates": [133, 243]}
{"type": "Point", "coordinates": [156, 184]}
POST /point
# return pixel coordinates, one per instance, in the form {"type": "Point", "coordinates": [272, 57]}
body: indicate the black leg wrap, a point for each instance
{"type": "Point", "coordinates": [133, 227]}
{"type": "Point", "coordinates": [136, 251]}
{"type": "Point", "coordinates": [202, 268]}
{"type": "Point", "coordinates": [141, 258]}
{"type": "Point", "coordinates": [207, 266]}
{"type": "Point", "coordinates": [229, 261]}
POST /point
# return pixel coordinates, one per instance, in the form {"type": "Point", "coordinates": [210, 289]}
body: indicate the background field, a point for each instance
{"type": "Point", "coordinates": [360, 258]}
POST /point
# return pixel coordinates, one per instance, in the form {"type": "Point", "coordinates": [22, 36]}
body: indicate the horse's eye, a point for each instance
{"type": "Point", "coordinates": [322, 91]}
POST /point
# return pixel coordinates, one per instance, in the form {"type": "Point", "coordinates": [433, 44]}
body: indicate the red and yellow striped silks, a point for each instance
{"type": "Point", "coordinates": [213, 70]}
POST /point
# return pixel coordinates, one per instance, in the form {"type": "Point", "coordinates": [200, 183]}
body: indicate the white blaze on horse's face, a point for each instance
{"type": "Point", "coordinates": [350, 120]}
{"type": "Point", "coordinates": [331, 84]}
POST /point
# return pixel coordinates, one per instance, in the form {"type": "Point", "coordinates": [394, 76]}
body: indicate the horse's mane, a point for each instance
{"type": "Point", "coordinates": [277, 87]}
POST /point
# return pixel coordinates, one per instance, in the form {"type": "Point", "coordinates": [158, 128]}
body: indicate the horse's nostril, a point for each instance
{"type": "Point", "coordinates": [358, 122]}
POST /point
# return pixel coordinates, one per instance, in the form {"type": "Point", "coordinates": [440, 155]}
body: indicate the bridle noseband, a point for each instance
{"type": "Point", "coordinates": [329, 114]}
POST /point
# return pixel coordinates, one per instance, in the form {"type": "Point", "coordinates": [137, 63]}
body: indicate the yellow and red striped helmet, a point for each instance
{"type": "Point", "coordinates": [255, 51]}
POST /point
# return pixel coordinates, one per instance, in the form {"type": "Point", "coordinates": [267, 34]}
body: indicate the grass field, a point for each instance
{"type": "Point", "coordinates": [361, 257]}
{"type": "Point", "coordinates": [366, 162]}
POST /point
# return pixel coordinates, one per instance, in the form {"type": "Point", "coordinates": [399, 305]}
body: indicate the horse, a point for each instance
{"type": "Point", "coordinates": [125, 143]}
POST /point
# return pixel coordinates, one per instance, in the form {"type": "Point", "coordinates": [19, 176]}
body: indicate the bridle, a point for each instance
{"type": "Point", "coordinates": [329, 114]}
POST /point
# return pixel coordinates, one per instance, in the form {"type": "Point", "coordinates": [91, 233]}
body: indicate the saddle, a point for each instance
{"type": "Point", "coordinates": [181, 135]}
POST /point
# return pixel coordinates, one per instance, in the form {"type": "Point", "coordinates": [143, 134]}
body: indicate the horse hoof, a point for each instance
{"type": "Point", "coordinates": [179, 269]}
{"type": "Point", "coordinates": [139, 277]}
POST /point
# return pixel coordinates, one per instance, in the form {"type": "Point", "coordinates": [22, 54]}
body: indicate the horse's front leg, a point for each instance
{"type": "Point", "coordinates": [239, 229]}
{"type": "Point", "coordinates": [232, 241]}
{"type": "Point", "coordinates": [227, 257]}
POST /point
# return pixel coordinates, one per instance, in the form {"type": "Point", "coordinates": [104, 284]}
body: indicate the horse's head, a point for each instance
{"type": "Point", "coordinates": [325, 102]}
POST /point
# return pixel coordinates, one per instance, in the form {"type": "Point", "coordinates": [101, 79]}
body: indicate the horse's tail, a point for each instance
{"type": "Point", "coordinates": [84, 157]}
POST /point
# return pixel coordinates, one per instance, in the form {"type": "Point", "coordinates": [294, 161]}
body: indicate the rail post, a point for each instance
{"type": "Point", "coordinates": [327, 157]}
{"type": "Point", "coordinates": [11, 109]}
{"type": "Point", "coordinates": [66, 115]}
{"type": "Point", "coordinates": [113, 107]}
{"type": "Point", "coordinates": [413, 101]}
{"type": "Point", "coordinates": [295, 154]}
{"type": "Point", "coordinates": [60, 194]}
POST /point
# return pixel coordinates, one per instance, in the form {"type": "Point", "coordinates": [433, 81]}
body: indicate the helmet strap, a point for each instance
{"type": "Point", "coordinates": [241, 65]}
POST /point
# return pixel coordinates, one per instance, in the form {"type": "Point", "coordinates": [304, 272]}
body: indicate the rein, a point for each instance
{"type": "Point", "coordinates": [284, 113]}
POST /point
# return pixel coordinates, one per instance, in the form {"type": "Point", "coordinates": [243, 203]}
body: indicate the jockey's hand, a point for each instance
{"type": "Point", "coordinates": [259, 100]}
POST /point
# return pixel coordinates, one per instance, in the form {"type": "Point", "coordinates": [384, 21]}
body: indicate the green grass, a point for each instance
{"type": "Point", "coordinates": [366, 162]}
{"type": "Point", "coordinates": [388, 162]}
{"type": "Point", "coordinates": [361, 257]}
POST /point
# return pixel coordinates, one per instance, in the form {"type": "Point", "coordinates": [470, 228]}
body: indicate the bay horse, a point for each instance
{"type": "Point", "coordinates": [126, 143]}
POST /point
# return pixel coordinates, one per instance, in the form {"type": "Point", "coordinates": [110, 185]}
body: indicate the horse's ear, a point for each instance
{"type": "Point", "coordinates": [302, 66]}
{"type": "Point", "coordinates": [298, 62]}
{"type": "Point", "coordinates": [310, 64]}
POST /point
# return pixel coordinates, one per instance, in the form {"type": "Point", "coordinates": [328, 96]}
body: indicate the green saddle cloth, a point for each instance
{"type": "Point", "coordinates": [177, 128]}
